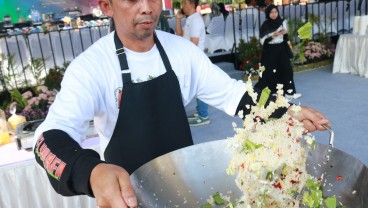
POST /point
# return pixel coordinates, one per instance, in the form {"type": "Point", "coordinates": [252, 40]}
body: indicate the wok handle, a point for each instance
{"type": "Point", "coordinates": [332, 134]}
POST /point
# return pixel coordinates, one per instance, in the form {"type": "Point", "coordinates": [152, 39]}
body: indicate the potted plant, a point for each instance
{"type": "Point", "coordinates": [249, 56]}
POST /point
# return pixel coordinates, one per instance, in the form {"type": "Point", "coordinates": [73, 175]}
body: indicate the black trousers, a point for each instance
{"type": "Point", "coordinates": [278, 69]}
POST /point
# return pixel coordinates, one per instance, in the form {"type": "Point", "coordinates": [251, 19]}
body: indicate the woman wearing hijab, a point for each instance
{"type": "Point", "coordinates": [276, 55]}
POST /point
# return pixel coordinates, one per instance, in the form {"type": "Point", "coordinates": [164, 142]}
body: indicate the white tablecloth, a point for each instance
{"type": "Point", "coordinates": [24, 184]}
{"type": "Point", "coordinates": [360, 25]}
{"type": "Point", "coordinates": [352, 55]}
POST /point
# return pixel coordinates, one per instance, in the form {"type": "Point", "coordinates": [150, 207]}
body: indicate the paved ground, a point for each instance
{"type": "Point", "coordinates": [342, 98]}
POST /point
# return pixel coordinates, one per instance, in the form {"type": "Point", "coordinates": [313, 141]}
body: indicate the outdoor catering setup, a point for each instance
{"type": "Point", "coordinates": [266, 164]}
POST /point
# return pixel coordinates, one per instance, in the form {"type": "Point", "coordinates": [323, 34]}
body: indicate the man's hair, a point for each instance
{"type": "Point", "coordinates": [195, 2]}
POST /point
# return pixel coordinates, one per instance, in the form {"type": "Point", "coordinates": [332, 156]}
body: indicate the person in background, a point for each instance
{"type": "Point", "coordinates": [223, 10]}
{"type": "Point", "coordinates": [263, 4]}
{"type": "Point", "coordinates": [215, 12]}
{"type": "Point", "coordinates": [194, 31]}
{"type": "Point", "coordinates": [134, 83]}
{"type": "Point", "coordinates": [276, 55]}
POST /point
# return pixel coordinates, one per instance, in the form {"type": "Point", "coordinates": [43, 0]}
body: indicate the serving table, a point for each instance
{"type": "Point", "coordinates": [25, 184]}
{"type": "Point", "coordinates": [351, 55]}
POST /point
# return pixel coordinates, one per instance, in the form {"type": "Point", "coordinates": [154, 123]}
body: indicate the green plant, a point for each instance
{"type": "Point", "coordinates": [293, 26]}
{"type": "Point", "coordinates": [249, 55]}
{"type": "Point", "coordinates": [36, 66]}
{"type": "Point", "coordinates": [18, 98]}
{"type": "Point", "coordinates": [308, 51]}
{"type": "Point", "coordinates": [55, 76]}
{"type": "Point", "coordinates": [10, 74]}
{"type": "Point", "coordinates": [33, 104]}
{"type": "Point", "coordinates": [322, 34]}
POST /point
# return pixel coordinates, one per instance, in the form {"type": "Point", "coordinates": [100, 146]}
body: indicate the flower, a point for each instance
{"type": "Point", "coordinates": [35, 105]}
{"type": "Point", "coordinates": [316, 51]}
{"type": "Point", "coordinates": [27, 94]}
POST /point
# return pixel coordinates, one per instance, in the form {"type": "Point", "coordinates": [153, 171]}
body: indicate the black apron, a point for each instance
{"type": "Point", "coordinates": [152, 119]}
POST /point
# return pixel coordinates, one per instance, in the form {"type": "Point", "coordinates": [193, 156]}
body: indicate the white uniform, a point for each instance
{"type": "Point", "coordinates": [279, 39]}
{"type": "Point", "coordinates": [194, 28]}
{"type": "Point", "coordinates": [91, 84]}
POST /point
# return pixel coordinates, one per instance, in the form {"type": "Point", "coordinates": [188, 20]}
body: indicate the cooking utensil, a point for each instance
{"type": "Point", "coordinates": [188, 177]}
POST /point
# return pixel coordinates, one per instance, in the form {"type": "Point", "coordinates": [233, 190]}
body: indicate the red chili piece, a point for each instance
{"type": "Point", "coordinates": [277, 185]}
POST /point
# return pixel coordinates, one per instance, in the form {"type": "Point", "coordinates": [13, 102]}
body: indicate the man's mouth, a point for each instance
{"type": "Point", "coordinates": [146, 24]}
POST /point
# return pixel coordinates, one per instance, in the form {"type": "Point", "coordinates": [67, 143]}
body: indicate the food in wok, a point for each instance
{"type": "Point", "coordinates": [272, 166]}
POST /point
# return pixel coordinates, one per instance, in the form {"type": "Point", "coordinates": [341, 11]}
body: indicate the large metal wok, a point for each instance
{"type": "Point", "coordinates": [188, 177]}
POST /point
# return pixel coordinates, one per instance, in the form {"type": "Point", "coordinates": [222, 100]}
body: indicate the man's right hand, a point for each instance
{"type": "Point", "coordinates": [179, 15]}
{"type": "Point", "coordinates": [111, 187]}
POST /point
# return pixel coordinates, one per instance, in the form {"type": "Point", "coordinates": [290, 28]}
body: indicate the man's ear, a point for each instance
{"type": "Point", "coordinates": [105, 6]}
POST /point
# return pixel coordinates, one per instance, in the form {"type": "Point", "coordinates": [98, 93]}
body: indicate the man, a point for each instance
{"type": "Point", "coordinates": [134, 83]}
{"type": "Point", "coordinates": [194, 31]}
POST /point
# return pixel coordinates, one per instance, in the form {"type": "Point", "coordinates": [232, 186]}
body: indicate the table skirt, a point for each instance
{"type": "Point", "coordinates": [351, 55]}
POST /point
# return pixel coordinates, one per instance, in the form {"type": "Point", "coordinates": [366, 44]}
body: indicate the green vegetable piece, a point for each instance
{"type": "Point", "coordinates": [269, 176]}
{"type": "Point", "coordinates": [307, 199]}
{"type": "Point", "coordinates": [249, 145]}
{"type": "Point", "coordinates": [230, 206]}
{"type": "Point", "coordinates": [313, 145]}
{"type": "Point", "coordinates": [317, 197]}
{"type": "Point", "coordinates": [264, 96]}
{"type": "Point", "coordinates": [293, 193]}
{"type": "Point", "coordinates": [313, 185]}
{"type": "Point", "coordinates": [283, 170]}
{"type": "Point", "coordinates": [207, 206]}
{"type": "Point", "coordinates": [218, 199]}
{"type": "Point", "coordinates": [330, 202]}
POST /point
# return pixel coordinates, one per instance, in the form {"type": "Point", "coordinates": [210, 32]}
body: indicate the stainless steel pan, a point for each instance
{"type": "Point", "coordinates": [188, 177]}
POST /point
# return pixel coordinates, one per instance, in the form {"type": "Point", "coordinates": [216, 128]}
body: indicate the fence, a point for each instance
{"type": "Point", "coordinates": [54, 48]}
{"type": "Point", "coordinates": [331, 18]}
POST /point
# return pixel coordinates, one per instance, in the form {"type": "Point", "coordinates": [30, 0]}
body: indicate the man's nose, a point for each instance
{"type": "Point", "coordinates": [146, 7]}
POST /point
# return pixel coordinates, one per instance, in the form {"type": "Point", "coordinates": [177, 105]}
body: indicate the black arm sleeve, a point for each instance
{"type": "Point", "coordinates": [247, 100]}
{"type": "Point", "coordinates": [267, 40]}
{"type": "Point", "coordinates": [68, 166]}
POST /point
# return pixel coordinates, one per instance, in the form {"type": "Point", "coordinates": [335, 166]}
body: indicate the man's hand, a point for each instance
{"type": "Point", "coordinates": [179, 15]}
{"type": "Point", "coordinates": [311, 119]}
{"type": "Point", "coordinates": [111, 187]}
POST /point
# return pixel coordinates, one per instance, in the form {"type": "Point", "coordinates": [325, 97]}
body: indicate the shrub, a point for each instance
{"type": "Point", "coordinates": [32, 104]}
{"type": "Point", "coordinates": [249, 56]}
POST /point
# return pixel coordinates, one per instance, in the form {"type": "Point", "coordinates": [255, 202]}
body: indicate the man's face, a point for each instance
{"type": "Point", "coordinates": [136, 17]}
{"type": "Point", "coordinates": [187, 6]}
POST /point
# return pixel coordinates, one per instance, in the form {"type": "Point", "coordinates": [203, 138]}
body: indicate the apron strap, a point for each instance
{"type": "Point", "coordinates": [120, 52]}
{"type": "Point", "coordinates": [163, 55]}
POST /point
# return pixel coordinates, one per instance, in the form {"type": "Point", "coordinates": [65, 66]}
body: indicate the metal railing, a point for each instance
{"type": "Point", "coordinates": [328, 18]}
{"type": "Point", "coordinates": [52, 49]}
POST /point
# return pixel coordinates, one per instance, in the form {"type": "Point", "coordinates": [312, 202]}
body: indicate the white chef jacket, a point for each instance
{"type": "Point", "coordinates": [91, 85]}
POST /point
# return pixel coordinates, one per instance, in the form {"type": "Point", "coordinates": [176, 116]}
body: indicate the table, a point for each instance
{"type": "Point", "coordinates": [25, 184]}
{"type": "Point", "coordinates": [360, 25]}
{"type": "Point", "coordinates": [351, 55]}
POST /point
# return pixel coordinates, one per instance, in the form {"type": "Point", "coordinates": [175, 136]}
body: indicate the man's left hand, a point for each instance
{"type": "Point", "coordinates": [312, 119]}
